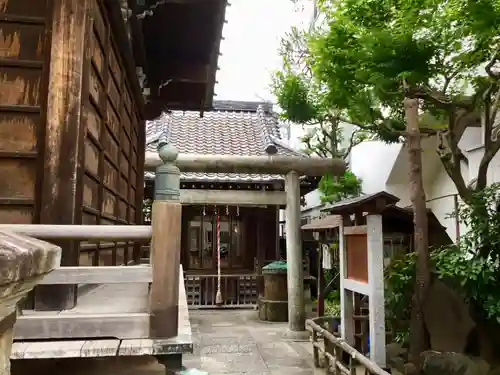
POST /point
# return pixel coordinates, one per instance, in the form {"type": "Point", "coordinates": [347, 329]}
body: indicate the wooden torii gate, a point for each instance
{"type": "Point", "coordinates": [292, 167]}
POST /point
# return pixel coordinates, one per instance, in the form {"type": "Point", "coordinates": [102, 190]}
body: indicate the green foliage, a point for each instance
{"type": "Point", "coordinates": [368, 55]}
{"type": "Point", "coordinates": [474, 266]}
{"type": "Point", "coordinates": [293, 97]}
{"type": "Point", "coordinates": [302, 101]}
{"type": "Point", "coordinates": [370, 48]}
{"type": "Point", "coordinates": [332, 304]}
{"type": "Point", "coordinates": [473, 273]}
{"type": "Point", "coordinates": [399, 279]}
{"type": "Point", "coordinates": [335, 189]}
{"type": "Point", "coordinates": [146, 210]}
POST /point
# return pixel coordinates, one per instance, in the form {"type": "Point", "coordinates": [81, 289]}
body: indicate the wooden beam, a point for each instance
{"type": "Point", "coordinates": [312, 166]}
{"type": "Point", "coordinates": [180, 72]}
{"type": "Point", "coordinates": [82, 232]}
{"type": "Point", "coordinates": [232, 197]}
{"type": "Point", "coordinates": [65, 325]}
{"type": "Point", "coordinates": [190, 2]}
{"type": "Point", "coordinates": [99, 275]}
{"type": "Point", "coordinates": [215, 53]}
{"type": "Point", "coordinates": [166, 219]}
{"type": "Point", "coordinates": [62, 170]}
{"type": "Point", "coordinates": [65, 349]}
{"type": "Point", "coordinates": [50, 349]}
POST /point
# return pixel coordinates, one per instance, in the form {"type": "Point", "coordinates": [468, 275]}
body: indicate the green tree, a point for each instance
{"type": "Point", "coordinates": [302, 103]}
{"type": "Point", "coordinates": [440, 56]}
{"type": "Point", "coordinates": [442, 53]}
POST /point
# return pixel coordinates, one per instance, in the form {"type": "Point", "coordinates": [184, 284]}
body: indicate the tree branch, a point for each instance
{"type": "Point", "coordinates": [438, 99]}
{"type": "Point", "coordinates": [352, 143]}
{"type": "Point", "coordinates": [491, 141]}
{"type": "Point", "coordinates": [451, 156]}
{"type": "Point", "coordinates": [489, 67]}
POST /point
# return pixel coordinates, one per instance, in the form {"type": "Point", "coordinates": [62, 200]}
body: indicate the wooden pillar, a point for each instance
{"type": "Point", "coordinates": [277, 242]}
{"type": "Point", "coordinates": [295, 270]}
{"type": "Point", "coordinates": [321, 278]}
{"type": "Point", "coordinates": [376, 289]}
{"type": "Point", "coordinates": [63, 144]}
{"type": "Point", "coordinates": [166, 219]}
{"type": "Point", "coordinates": [346, 296]}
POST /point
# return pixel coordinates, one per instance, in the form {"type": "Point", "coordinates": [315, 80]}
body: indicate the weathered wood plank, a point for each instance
{"type": "Point", "coordinates": [236, 197]}
{"type": "Point", "coordinates": [65, 349]}
{"type": "Point", "coordinates": [60, 326]}
{"type": "Point", "coordinates": [174, 345]}
{"type": "Point", "coordinates": [165, 260]}
{"type": "Point", "coordinates": [105, 299]}
{"type": "Point", "coordinates": [18, 349]}
{"type": "Point", "coordinates": [100, 348]}
{"type": "Point", "coordinates": [99, 275]}
{"type": "Point", "coordinates": [53, 349]}
{"type": "Point", "coordinates": [136, 347]}
{"type": "Point", "coordinates": [62, 188]}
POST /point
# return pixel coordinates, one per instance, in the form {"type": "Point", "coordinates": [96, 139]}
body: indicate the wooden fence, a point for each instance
{"type": "Point", "coordinates": [338, 356]}
{"type": "Point", "coordinates": [238, 291]}
{"type": "Point", "coordinates": [160, 274]}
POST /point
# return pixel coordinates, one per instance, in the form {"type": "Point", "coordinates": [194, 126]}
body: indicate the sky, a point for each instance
{"type": "Point", "coordinates": [250, 48]}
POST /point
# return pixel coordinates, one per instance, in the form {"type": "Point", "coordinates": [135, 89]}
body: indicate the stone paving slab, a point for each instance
{"type": "Point", "coordinates": [235, 342]}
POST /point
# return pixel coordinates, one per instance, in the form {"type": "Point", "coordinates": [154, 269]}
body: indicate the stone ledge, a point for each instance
{"type": "Point", "coordinates": [23, 257]}
{"type": "Point", "coordinates": [23, 261]}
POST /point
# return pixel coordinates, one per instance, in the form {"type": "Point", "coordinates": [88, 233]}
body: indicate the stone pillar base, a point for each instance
{"type": "Point", "coordinates": [297, 335]}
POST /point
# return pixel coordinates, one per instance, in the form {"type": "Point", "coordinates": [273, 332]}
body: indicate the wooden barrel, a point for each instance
{"type": "Point", "coordinates": [273, 306]}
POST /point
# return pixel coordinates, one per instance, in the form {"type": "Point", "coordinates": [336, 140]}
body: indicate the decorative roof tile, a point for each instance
{"type": "Point", "coordinates": [227, 132]}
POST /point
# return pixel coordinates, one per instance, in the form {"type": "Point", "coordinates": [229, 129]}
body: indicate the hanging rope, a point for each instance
{"type": "Point", "coordinates": [218, 296]}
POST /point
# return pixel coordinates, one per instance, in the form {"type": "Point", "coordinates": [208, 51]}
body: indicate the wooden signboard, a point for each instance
{"type": "Point", "coordinates": [357, 257]}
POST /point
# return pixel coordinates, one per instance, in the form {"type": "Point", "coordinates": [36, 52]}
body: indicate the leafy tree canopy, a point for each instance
{"type": "Point", "coordinates": [302, 101]}
{"type": "Point", "coordinates": [370, 54]}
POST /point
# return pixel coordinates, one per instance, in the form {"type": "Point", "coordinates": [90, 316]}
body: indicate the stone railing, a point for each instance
{"type": "Point", "coordinates": [23, 262]}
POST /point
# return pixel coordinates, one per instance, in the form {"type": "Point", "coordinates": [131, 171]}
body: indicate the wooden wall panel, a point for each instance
{"type": "Point", "coordinates": [18, 132]}
{"type": "Point", "coordinates": [112, 141]}
{"type": "Point", "coordinates": [16, 214]}
{"type": "Point", "coordinates": [23, 57]}
{"type": "Point", "coordinates": [23, 8]}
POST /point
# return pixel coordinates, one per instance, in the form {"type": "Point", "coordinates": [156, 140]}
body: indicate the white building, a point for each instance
{"type": "Point", "coordinates": [371, 161]}
{"type": "Point", "coordinates": [439, 188]}
{"type": "Point", "coordinates": [385, 167]}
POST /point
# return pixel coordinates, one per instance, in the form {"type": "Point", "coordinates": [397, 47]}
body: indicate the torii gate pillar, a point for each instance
{"type": "Point", "coordinates": [295, 268]}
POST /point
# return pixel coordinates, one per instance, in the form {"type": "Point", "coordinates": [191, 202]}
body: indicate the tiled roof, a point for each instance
{"type": "Point", "coordinates": [227, 132]}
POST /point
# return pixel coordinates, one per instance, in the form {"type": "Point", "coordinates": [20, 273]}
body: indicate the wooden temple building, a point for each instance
{"type": "Point", "coordinates": [246, 205]}
{"type": "Point", "coordinates": [78, 80]}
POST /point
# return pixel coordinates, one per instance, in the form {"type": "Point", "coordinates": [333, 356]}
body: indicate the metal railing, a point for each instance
{"type": "Point", "coordinates": [336, 355]}
{"type": "Point", "coordinates": [238, 291]}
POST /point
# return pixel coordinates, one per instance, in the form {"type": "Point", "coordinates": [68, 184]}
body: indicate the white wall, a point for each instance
{"type": "Point", "coordinates": [372, 162]}
{"type": "Point", "coordinates": [442, 202]}
{"type": "Point", "coordinates": [439, 188]}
